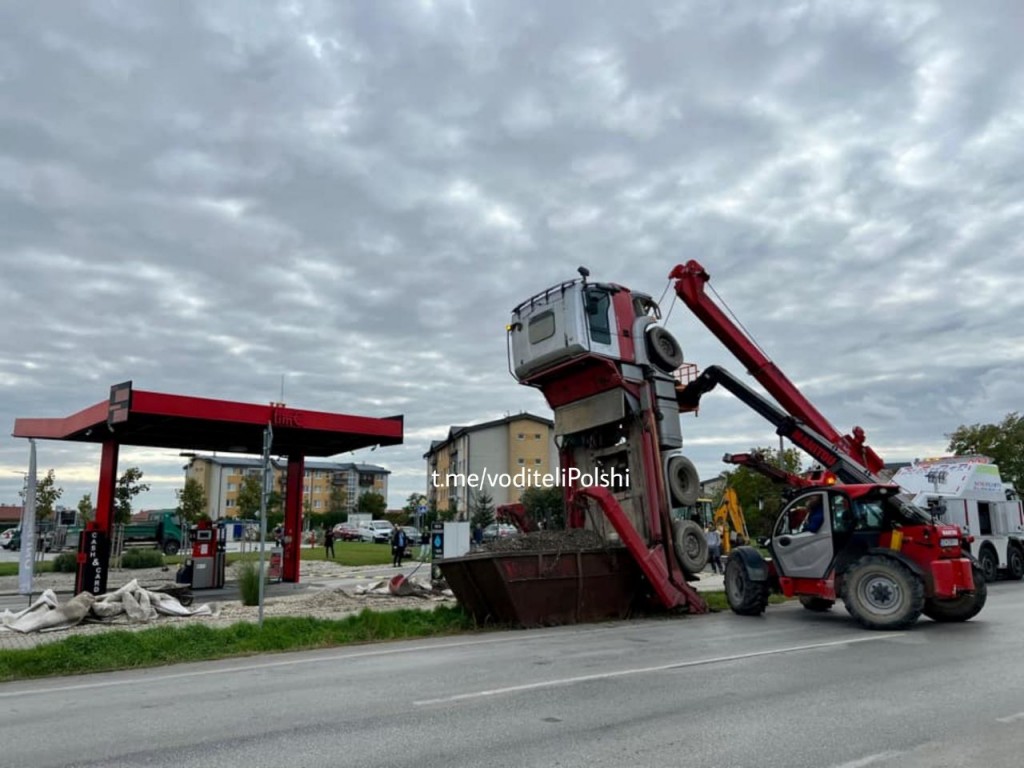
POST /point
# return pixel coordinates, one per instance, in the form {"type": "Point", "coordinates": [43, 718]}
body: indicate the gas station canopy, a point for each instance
{"type": "Point", "coordinates": [160, 420]}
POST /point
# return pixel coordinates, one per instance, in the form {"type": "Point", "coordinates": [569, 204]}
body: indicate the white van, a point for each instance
{"type": "Point", "coordinates": [378, 531]}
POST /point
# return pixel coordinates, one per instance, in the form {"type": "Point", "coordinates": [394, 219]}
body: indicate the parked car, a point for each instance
{"type": "Point", "coordinates": [346, 532]}
{"type": "Point", "coordinates": [377, 531]}
{"type": "Point", "coordinates": [7, 536]}
{"type": "Point", "coordinates": [499, 531]}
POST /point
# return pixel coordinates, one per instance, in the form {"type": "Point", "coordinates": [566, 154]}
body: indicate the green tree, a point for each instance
{"type": "Point", "coordinates": [47, 494]}
{"type": "Point", "coordinates": [191, 500]}
{"type": "Point", "coordinates": [337, 502]}
{"type": "Point", "coordinates": [86, 510]}
{"type": "Point", "coordinates": [759, 497]}
{"type": "Point", "coordinates": [275, 510]}
{"type": "Point", "coordinates": [1002, 442]}
{"type": "Point", "coordinates": [129, 485]}
{"type": "Point", "coordinates": [250, 492]}
{"type": "Point", "coordinates": [545, 506]}
{"type": "Point", "coordinates": [483, 510]}
{"type": "Point", "coordinates": [372, 502]}
{"type": "Point", "coordinates": [414, 502]}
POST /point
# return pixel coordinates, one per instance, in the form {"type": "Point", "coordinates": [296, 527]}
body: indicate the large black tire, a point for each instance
{"type": "Point", "coordinates": [1014, 563]}
{"type": "Point", "coordinates": [816, 604]}
{"type": "Point", "coordinates": [882, 593]}
{"type": "Point", "coordinates": [959, 608]}
{"type": "Point", "coordinates": [171, 547]}
{"type": "Point", "coordinates": [989, 563]}
{"type": "Point", "coordinates": [683, 481]}
{"type": "Point", "coordinates": [690, 545]}
{"type": "Point", "coordinates": [746, 597]}
{"type": "Point", "coordinates": [663, 350]}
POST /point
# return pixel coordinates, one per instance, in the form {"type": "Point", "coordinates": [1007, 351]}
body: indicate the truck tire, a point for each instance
{"type": "Point", "coordinates": [690, 545]}
{"type": "Point", "coordinates": [171, 546]}
{"type": "Point", "coordinates": [989, 563]}
{"type": "Point", "coordinates": [746, 596]}
{"type": "Point", "coordinates": [663, 350]}
{"type": "Point", "coordinates": [1015, 563]}
{"type": "Point", "coordinates": [683, 481]}
{"type": "Point", "coordinates": [959, 608]}
{"type": "Point", "coordinates": [882, 593]}
{"type": "Point", "coordinates": [816, 604]}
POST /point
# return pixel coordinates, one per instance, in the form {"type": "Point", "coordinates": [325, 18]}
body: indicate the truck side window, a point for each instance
{"type": "Point", "coordinates": [541, 327]}
{"type": "Point", "coordinates": [598, 302]}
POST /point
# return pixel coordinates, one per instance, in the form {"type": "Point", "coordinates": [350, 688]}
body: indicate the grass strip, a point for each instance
{"type": "Point", "coordinates": [108, 651]}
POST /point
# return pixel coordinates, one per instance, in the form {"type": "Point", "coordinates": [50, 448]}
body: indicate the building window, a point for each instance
{"type": "Point", "coordinates": [317, 504]}
{"type": "Point", "coordinates": [365, 479]}
{"type": "Point", "coordinates": [229, 503]}
{"type": "Point", "coordinates": [536, 435]}
{"type": "Point", "coordinates": [522, 462]}
{"type": "Point", "coordinates": [520, 436]}
{"type": "Point", "coordinates": [537, 461]}
{"type": "Point", "coordinates": [232, 487]}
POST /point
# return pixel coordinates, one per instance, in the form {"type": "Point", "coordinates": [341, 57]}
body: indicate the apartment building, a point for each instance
{"type": "Point", "coordinates": [515, 446]}
{"type": "Point", "coordinates": [221, 479]}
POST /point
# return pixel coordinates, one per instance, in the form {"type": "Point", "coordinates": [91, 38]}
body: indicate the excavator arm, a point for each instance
{"type": "Point", "coordinates": [730, 516]}
{"type": "Point", "coordinates": [690, 280]}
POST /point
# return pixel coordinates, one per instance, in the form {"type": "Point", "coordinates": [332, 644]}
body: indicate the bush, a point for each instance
{"type": "Point", "coordinates": [66, 562]}
{"type": "Point", "coordinates": [249, 582]}
{"type": "Point", "coordinates": [142, 558]}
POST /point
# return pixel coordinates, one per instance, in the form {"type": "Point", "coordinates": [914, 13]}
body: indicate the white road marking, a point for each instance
{"type": "Point", "coordinates": [248, 667]}
{"type": "Point", "coordinates": [1011, 718]}
{"type": "Point", "coordinates": [647, 670]}
{"type": "Point", "coordinates": [869, 759]}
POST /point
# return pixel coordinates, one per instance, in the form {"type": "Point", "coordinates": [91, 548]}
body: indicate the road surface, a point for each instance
{"type": "Point", "coordinates": [790, 690]}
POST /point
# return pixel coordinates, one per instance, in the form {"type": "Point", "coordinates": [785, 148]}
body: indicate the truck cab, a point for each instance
{"type": "Point", "coordinates": [967, 491]}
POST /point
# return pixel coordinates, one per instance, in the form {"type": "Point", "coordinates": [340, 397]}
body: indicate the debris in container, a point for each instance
{"type": "Point", "coordinates": [568, 540]}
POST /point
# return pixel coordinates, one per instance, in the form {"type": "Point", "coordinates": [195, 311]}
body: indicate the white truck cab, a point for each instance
{"type": "Point", "coordinates": [968, 491]}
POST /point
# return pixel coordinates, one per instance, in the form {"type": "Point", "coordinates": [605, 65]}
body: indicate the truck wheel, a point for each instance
{"type": "Point", "coordinates": [690, 545]}
{"type": "Point", "coordinates": [881, 593]}
{"type": "Point", "coordinates": [683, 481]}
{"type": "Point", "coordinates": [1015, 563]}
{"type": "Point", "coordinates": [663, 350]}
{"type": "Point", "coordinates": [989, 564]}
{"type": "Point", "coordinates": [816, 604]}
{"type": "Point", "coordinates": [959, 608]}
{"type": "Point", "coordinates": [746, 597]}
{"type": "Point", "coordinates": [171, 547]}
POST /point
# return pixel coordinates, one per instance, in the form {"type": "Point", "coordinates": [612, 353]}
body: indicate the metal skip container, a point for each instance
{"type": "Point", "coordinates": [544, 588]}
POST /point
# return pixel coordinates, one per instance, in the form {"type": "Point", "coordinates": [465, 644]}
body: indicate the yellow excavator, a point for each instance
{"type": "Point", "coordinates": [729, 516]}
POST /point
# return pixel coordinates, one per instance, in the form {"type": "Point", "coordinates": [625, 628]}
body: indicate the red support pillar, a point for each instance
{"type": "Point", "coordinates": [293, 517]}
{"type": "Point", "coordinates": [94, 544]}
{"type": "Point", "coordinates": [108, 484]}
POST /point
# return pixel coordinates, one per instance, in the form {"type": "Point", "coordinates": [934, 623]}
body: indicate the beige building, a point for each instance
{"type": "Point", "coordinates": [221, 479]}
{"type": "Point", "coordinates": [490, 457]}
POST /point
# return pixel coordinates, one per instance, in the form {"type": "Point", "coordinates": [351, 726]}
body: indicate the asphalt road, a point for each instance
{"type": "Point", "coordinates": [792, 690]}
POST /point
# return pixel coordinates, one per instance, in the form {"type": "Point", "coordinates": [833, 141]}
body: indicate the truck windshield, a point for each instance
{"type": "Point", "coordinates": [875, 511]}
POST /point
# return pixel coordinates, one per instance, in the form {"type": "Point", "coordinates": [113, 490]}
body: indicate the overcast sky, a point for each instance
{"type": "Point", "coordinates": [203, 197]}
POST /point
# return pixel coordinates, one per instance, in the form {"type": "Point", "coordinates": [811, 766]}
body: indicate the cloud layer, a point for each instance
{"type": "Point", "coordinates": [203, 197]}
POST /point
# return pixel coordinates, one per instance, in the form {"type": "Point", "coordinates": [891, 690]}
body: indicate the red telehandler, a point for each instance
{"type": "Point", "coordinates": [856, 540]}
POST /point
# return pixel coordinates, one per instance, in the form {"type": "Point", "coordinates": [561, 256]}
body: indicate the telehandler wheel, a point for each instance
{"type": "Point", "coordinates": [663, 350]}
{"type": "Point", "coordinates": [989, 564]}
{"type": "Point", "coordinates": [816, 604]}
{"type": "Point", "coordinates": [1014, 563]}
{"type": "Point", "coordinates": [959, 608]}
{"type": "Point", "coordinates": [691, 546]}
{"type": "Point", "coordinates": [171, 547]}
{"type": "Point", "coordinates": [882, 593]}
{"type": "Point", "coordinates": [746, 597]}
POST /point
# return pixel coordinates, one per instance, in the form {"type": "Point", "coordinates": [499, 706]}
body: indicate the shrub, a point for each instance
{"type": "Point", "coordinates": [249, 582]}
{"type": "Point", "coordinates": [65, 562]}
{"type": "Point", "coordinates": [142, 558]}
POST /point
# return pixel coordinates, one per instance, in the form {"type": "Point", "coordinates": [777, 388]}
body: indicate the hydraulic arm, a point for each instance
{"type": "Point", "coordinates": [690, 280]}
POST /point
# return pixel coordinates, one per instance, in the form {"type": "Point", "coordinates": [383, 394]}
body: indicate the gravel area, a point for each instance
{"type": "Point", "coordinates": [313, 599]}
{"type": "Point", "coordinates": [547, 541]}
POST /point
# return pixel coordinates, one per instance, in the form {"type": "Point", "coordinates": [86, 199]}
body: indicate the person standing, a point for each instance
{"type": "Point", "coordinates": [398, 542]}
{"type": "Point", "coordinates": [328, 542]}
{"type": "Point", "coordinates": [714, 540]}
